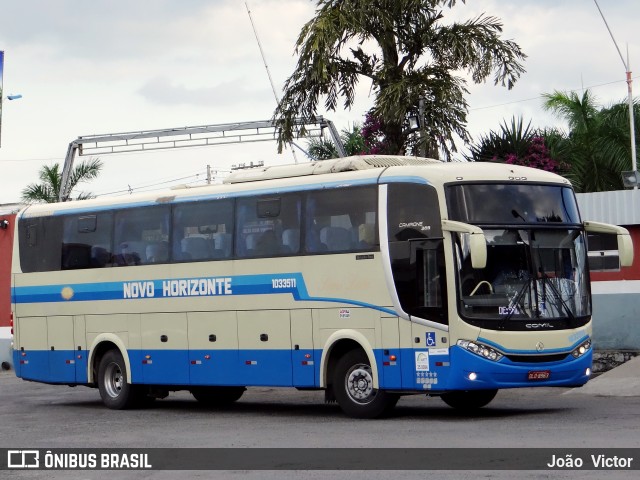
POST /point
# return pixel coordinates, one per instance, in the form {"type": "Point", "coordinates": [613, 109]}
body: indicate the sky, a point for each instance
{"type": "Point", "coordinates": [108, 66]}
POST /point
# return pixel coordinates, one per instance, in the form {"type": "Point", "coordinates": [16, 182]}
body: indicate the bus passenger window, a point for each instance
{"type": "Point", "coordinates": [135, 230]}
{"type": "Point", "coordinates": [202, 231]}
{"type": "Point", "coordinates": [268, 226]}
{"type": "Point", "coordinates": [86, 241]}
{"type": "Point", "coordinates": [341, 220]}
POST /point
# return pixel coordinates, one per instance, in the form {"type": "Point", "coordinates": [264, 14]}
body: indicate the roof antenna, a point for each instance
{"type": "Point", "coordinates": [273, 88]}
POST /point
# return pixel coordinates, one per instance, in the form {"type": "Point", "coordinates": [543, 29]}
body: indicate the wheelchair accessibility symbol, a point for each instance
{"type": "Point", "coordinates": [431, 339]}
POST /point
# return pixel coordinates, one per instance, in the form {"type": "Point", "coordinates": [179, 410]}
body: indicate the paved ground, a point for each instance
{"type": "Point", "coordinates": [622, 381]}
{"type": "Point", "coordinates": [603, 414]}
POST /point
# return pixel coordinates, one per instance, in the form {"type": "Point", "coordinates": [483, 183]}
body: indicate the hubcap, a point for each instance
{"type": "Point", "coordinates": [114, 380]}
{"type": "Point", "coordinates": [359, 383]}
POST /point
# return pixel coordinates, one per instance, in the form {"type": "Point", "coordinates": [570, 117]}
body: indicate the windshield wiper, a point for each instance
{"type": "Point", "coordinates": [547, 282]}
{"type": "Point", "coordinates": [515, 304]}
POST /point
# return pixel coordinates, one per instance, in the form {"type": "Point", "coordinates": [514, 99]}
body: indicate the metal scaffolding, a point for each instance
{"type": "Point", "coordinates": [218, 134]}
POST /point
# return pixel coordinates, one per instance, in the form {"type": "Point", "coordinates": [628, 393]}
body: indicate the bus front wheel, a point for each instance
{"type": "Point", "coordinates": [468, 400]}
{"type": "Point", "coordinates": [115, 392]}
{"type": "Point", "coordinates": [353, 388]}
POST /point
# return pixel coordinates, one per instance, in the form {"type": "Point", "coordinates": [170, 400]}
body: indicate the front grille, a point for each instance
{"type": "Point", "coordinates": [537, 358]}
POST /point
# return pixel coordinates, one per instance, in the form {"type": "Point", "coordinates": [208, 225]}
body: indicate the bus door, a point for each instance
{"type": "Point", "coordinates": [418, 268]}
{"type": "Point", "coordinates": [264, 338]}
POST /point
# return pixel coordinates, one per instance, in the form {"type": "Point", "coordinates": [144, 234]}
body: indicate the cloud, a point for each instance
{"type": "Point", "coordinates": [163, 91]}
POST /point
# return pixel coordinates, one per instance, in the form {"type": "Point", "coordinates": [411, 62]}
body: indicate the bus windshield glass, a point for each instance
{"type": "Point", "coordinates": [531, 274]}
{"type": "Point", "coordinates": [500, 204]}
{"type": "Point", "coordinates": [536, 256]}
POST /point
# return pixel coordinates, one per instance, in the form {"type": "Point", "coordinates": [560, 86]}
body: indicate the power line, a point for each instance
{"type": "Point", "coordinates": [542, 96]}
{"type": "Point", "coordinates": [143, 187]}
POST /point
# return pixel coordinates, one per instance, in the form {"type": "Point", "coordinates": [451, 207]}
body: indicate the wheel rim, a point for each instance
{"type": "Point", "coordinates": [113, 380]}
{"type": "Point", "coordinates": [359, 384]}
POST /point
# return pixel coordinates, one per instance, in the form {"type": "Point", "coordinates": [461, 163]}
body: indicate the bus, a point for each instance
{"type": "Point", "coordinates": [367, 277]}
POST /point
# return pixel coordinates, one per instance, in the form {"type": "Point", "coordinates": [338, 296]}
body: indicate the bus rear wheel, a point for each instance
{"type": "Point", "coordinates": [353, 388]}
{"type": "Point", "coordinates": [217, 396]}
{"type": "Point", "coordinates": [469, 400]}
{"type": "Point", "coordinates": [115, 392]}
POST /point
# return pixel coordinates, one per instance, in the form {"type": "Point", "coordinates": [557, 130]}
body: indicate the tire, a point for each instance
{"type": "Point", "coordinates": [353, 388]}
{"type": "Point", "coordinates": [115, 392]}
{"type": "Point", "coordinates": [469, 400]}
{"type": "Point", "coordinates": [217, 396]}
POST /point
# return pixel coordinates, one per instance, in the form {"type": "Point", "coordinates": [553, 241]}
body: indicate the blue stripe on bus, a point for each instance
{"type": "Point", "coordinates": [263, 284]}
{"type": "Point", "coordinates": [286, 368]}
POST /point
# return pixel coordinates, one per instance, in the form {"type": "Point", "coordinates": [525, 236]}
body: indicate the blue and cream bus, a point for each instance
{"type": "Point", "coordinates": [367, 277]}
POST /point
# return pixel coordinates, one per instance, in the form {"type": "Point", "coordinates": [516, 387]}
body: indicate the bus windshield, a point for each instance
{"type": "Point", "coordinates": [536, 256]}
{"type": "Point", "coordinates": [531, 274]}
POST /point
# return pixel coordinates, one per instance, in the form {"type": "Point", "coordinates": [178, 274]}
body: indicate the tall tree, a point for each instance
{"type": "Point", "coordinates": [597, 145]}
{"type": "Point", "coordinates": [407, 53]}
{"type": "Point", "coordinates": [48, 190]}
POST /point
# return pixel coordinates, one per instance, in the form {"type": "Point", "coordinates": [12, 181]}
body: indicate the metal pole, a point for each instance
{"type": "Point", "coordinates": [629, 91]}
{"type": "Point", "coordinates": [631, 116]}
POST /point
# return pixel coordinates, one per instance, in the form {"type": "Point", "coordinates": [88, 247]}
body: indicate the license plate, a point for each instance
{"type": "Point", "coordinates": [539, 375]}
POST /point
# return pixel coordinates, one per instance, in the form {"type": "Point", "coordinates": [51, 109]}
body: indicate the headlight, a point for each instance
{"type": "Point", "coordinates": [582, 349]}
{"type": "Point", "coordinates": [480, 349]}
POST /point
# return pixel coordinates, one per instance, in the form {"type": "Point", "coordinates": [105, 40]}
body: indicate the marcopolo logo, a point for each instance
{"type": "Point", "coordinates": [23, 459]}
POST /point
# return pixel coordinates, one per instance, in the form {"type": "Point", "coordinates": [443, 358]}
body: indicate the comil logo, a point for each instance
{"type": "Point", "coordinates": [23, 459]}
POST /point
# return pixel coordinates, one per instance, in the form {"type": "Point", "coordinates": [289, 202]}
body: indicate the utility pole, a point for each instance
{"type": "Point", "coordinates": [629, 94]}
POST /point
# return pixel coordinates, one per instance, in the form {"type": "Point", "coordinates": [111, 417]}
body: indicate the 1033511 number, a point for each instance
{"type": "Point", "coordinates": [283, 283]}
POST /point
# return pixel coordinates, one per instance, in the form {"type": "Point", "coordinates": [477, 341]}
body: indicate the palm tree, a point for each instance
{"type": "Point", "coordinates": [48, 190]}
{"type": "Point", "coordinates": [598, 145]}
{"type": "Point", "coordinates": [321, 148]}
{"type": "Point", "coordinates": [413, 58]}
{"type": "Point", "coordinates": [512, 139]}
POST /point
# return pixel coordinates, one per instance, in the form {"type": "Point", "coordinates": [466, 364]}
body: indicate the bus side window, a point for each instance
{"type": "Point", "coordinates": [86, 241]}
{"type": "Point", "coordinates": [202, 230]}
{"type": "Point", "coordinates": [40, 244]}
{"type": "Point", "coordinates": [339, 220]}
{"type": "Point", "coordinates": [268, 226]}
{"type": "Point", "coordinates": [137, 229]}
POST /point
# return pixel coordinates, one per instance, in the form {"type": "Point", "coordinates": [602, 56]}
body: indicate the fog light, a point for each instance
{"type": "Point", "coordinates": [587, 372]}
{"type": "Point", "coordinates": [473, 376]}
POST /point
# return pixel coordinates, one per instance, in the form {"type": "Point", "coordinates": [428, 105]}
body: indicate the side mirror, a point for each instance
{"type": "Point", "coordinates": [477, 241]}
{"type": "Point", "coordinates": [625, 245]}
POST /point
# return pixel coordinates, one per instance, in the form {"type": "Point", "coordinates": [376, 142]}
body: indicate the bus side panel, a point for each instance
{"type": "Point", "coordinates": [391, 371]}
{"type": "Point", "coordinates": [34, 355]}
{"type": "Point", "coordinates": [264, 338]}
{"type": "Point", "coordinates": [80, 349]}
{"type": "Point", "coordinates": [213, 348]}
{"type": "Point", "coordinates": [62, 366]}
{"type": "Point", "coordinates": [426, 362]}
{"type": "Point", "coordinates": [164, 349]}
{"type": "Point", "coordinates": [302, 344]}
